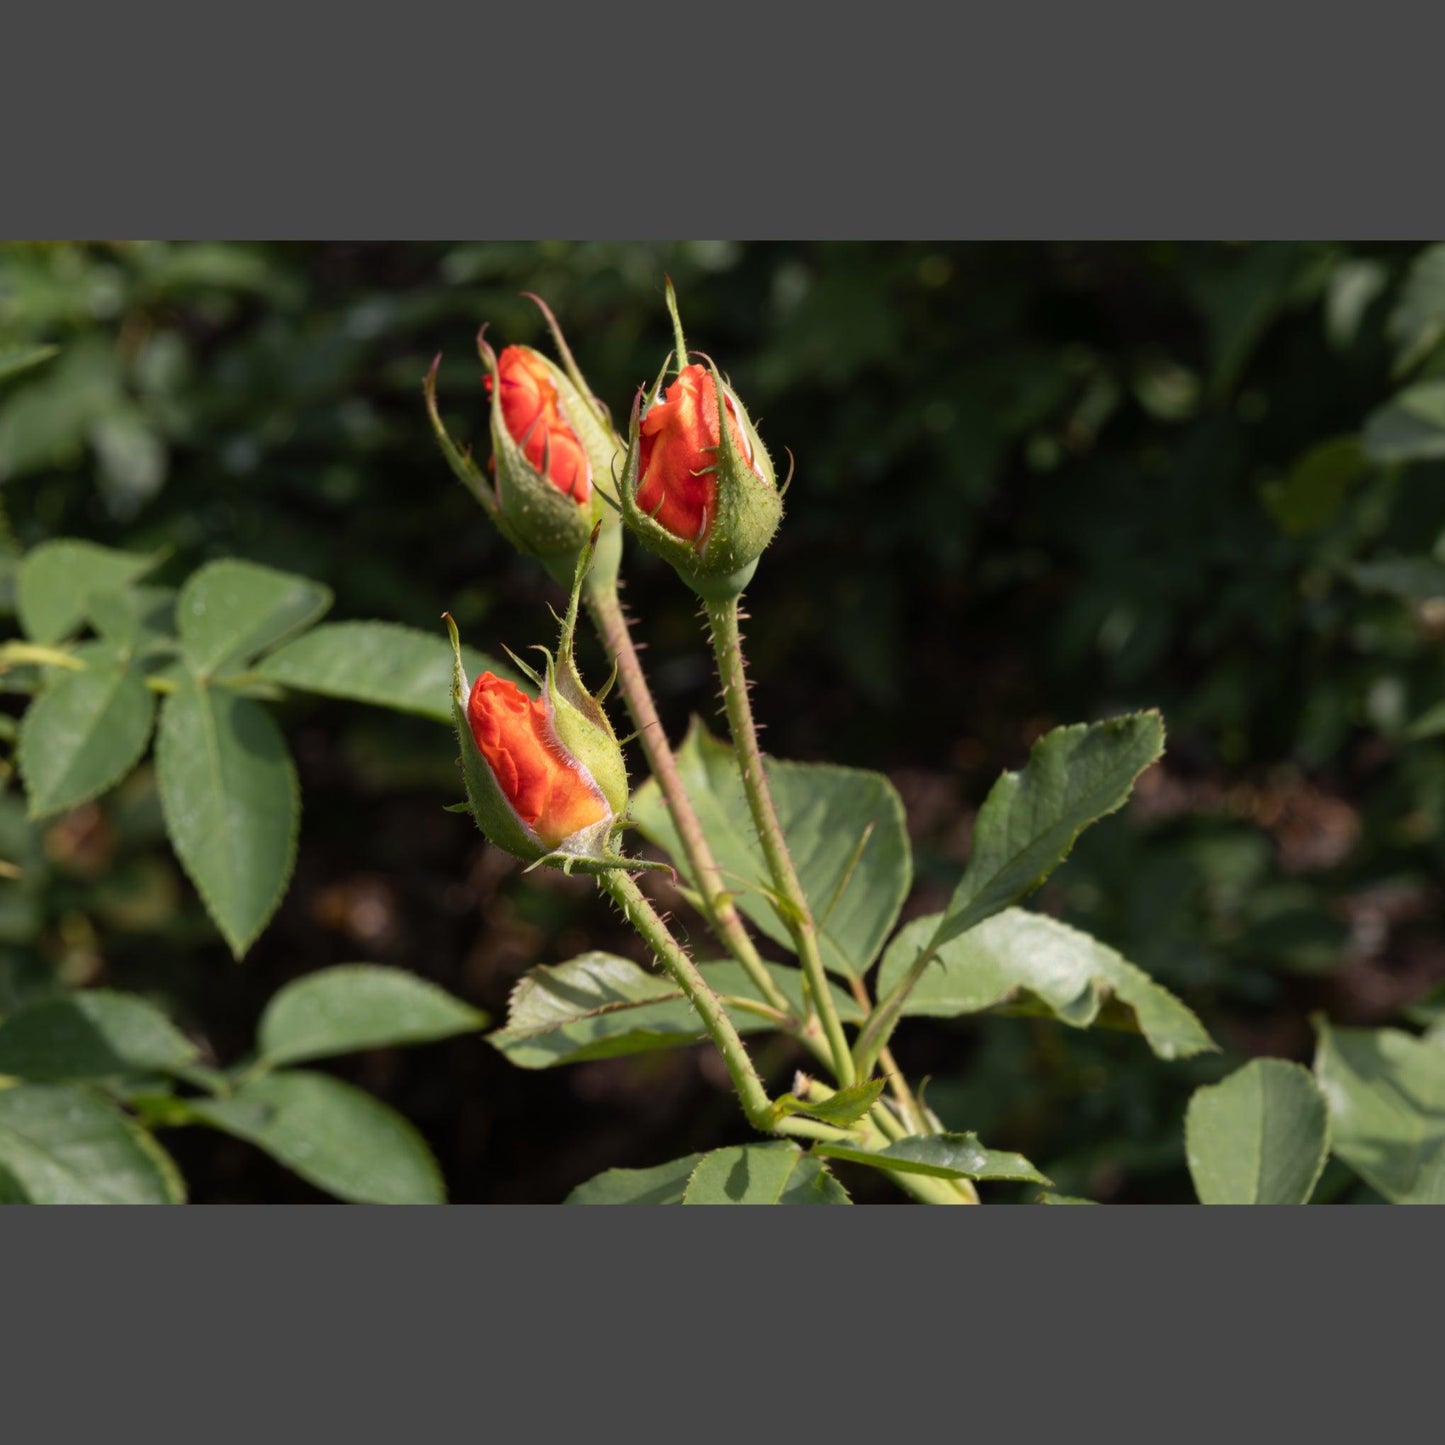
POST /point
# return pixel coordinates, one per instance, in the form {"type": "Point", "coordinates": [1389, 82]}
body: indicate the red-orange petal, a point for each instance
{"type": "Point", "coordinates": [532, 412]}
{"type": "Point", "coordinates": [677, 450]}
{"type": "Point", "coordinates": [544, 786]}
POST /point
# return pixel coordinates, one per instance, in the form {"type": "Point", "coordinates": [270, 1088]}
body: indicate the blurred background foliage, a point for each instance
{"type": "Point", "coordinates": [1036, 484]}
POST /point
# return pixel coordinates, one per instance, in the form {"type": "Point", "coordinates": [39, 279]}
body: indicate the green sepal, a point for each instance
{"type": "Point", "coordinates": [465, 469]}
{"type": "Point", "coordinates": [605, 863]}
{"type": "Point", "coordinates": [749, 506]}
{"type": "Point", "coordinates": [843, 1108]}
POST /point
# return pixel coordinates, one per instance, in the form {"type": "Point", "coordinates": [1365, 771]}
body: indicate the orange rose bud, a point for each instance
{"type": "Point", "coordinates": [695, 490]}
{"type": "Point", "coordinates": [554, 452]}
{"type": "Point", "coordinates": [552, 795]}
{"type": "Point", "coordinates": [533, 415]}
{"type": "Point", "coordinates": [677, 455]}
{"type": "Point", "coordinates": [545, 776]}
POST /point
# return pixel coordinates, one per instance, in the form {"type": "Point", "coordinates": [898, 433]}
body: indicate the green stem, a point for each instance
{"type": "Point", "coordinates": [876, 1137]}
{"type": "Point", "coordinates": [898, 1085]}
{"type": "Point", "coordinates": [605, 604]}
{"type": "Point", "coordinates": [722, 618]}
{"type": "Point", "coordinates": [878, 1029]}
{"type": "Point", "coordinates": [716, 1020]}
{"type": "Point", "coordinates": [13, 653]}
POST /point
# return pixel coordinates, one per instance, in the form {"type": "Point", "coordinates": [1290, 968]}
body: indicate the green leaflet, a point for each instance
{"type": "Point", "coordinates": [229, 793]}
{"type": "Point", "coordinates": [1386, 1095]}
{"type": "Point", "coordinates": [843, 1108]}
{"type": "Point", "coordinates": [138, 619]}
{"type": "Point", "coordinates": [16, 359]}
{"type": "Point", "coordinates": [90, 1034]}
{"type": "Point", "coordinates": [662, 1184]}
{"type": "Point", "coordinates": [1411, 579]}
{"type": "Point", "coordinates": [334, 1136]}
{"type": "Point", "coordinates": [64, 1144]}
{"type": "Point", "coordinates": [1029, 962]}
{"type": "Point", "coordinates": [228, 611]}
{"type": "Point", "coordinates": [381, 663]}
{"type": "Point", "coordinates": [774, 1173]}
{"type": "Point", "coordinates": [1261, 1136]}
{"type": "Point", "coordinates": [358, 1006]}
{"type": "Point", "coordinates": [84, 732]}
{"type": "Point", "coordinates": [1311, 495]}
{"type": "Point", "coordinates": [1030, 819]}
{"type": "Point", "coordinates": [1417, 323]}
{"type": "Point", "coordinates": [56, 580]}
{"type": "Point", "coordinates": [942, 1156]}
{"type": "Point", "coordinates": [600, 1006]}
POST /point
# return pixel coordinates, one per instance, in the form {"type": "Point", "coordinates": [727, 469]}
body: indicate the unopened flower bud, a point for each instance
{"type": "Point", "coordinates": [545, 775]}
{"type": "Point", "coordinates": [552, 799]}
{"type": "Point", "coordinates": [553, 450]}
{"type": "Point", "coordinates": [696, 491]}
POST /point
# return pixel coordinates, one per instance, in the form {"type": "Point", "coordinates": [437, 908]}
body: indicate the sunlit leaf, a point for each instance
{"type": "Point", "coordinates": [774, 1173]}
{"type": "Point", "coordinates": [355, 1006]}
{"type": "Point", "coordinates": [1261, 1136]}
{"type": "Point", "coordinates": [842, 1108]}
{"type": "Point", "coordinates": [1386, 1095]}
{"type": "Point", "coordinates": [1029, 962]}
{"type": "Point", "coordinates": [941, 1156]}
{"type": "Point", "coordinates": [662, 1184]}
{"type": "Point", "coordinates": [380, 663]}
{"type": "Point", "coordinates": [600, 1006]}
{"type": "Point", "coordinates": [229, 611]}
{"type": "Point", "coordinates": [1030, 819]}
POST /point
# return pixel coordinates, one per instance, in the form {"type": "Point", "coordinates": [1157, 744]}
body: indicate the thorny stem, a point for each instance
{"type": "Point", "coordinates": [727, 644]}
{"type": "Point", "coordinates": [605, 605]}
{"type": "Point", "coordinates": [684, 972]}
